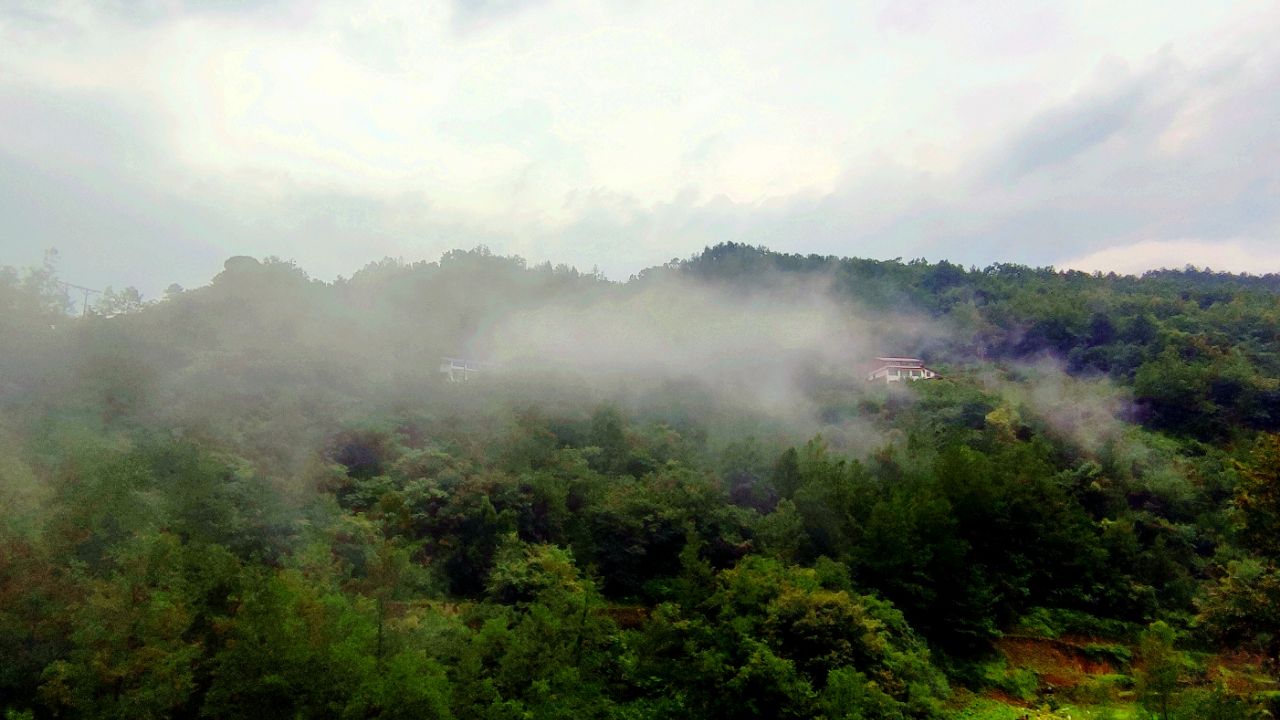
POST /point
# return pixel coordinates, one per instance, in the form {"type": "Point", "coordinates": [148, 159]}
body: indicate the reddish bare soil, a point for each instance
{"type": "Point", "coordinates": [1060, 663]}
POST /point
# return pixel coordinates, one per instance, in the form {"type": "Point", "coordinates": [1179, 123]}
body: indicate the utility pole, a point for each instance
{"type": "Point", "coordinates": [84, 307]}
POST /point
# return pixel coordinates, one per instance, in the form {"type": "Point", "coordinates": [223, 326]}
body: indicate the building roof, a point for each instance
{"type": "Point", "coordinates": [900, 361]}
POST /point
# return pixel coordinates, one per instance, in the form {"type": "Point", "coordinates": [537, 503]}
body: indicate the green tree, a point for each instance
{"type": "Point", "coordinates": [522, 572]}
{"type": "Point", "coordinates": [1241, 609]}
{"type": "Point", "coordinates": [134, 653]}
{"type": "Point", "coordinates": [1258, 497]}
{"type": "Point", "coordinates": [1160, 671]}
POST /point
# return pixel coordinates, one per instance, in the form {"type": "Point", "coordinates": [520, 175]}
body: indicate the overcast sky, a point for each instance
{"type": "Point", "coordinates": [148, 141]}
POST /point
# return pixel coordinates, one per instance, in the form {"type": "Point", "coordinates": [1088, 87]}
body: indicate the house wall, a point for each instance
{"type": "Point", "coordinates": [899, 374]}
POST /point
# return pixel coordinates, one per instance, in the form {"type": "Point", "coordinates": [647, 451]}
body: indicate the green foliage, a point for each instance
{"type": "Point", "coordinates": [1242, 608]}
{"type": "Point", "coordinates": [771, 640]}
{"type": "Point", "coordinates": [1102, 690]}
{"type": "Point", "coordinates": [1258, 498]}
{"type": "Point", "coordinates": [136, 643]}
{"type": "Point", "coordinates": [1019, 683]}
{"type": "Point", "coordinates": [522, 573]}
{"type": "Point", "coordinates": [1115, 654]}
{"type": "Point", "coordinates": [1238, 609]}
{"type": "Point", "coordinates": [1161, 672]}
{"type": "Point", "coordinates": [256, 499]}
{"type": "Point", "coordinates": [1055, 622]}
{"type": "Point", "coordinates": [1214, 703]}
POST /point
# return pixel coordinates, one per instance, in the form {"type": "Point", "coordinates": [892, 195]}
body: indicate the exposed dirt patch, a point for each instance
{"type": "Point", "coordinates": [1059, 663]}
{"type": "Point", "coordinates": [627, 617]}
{"type": "Point", "coordinates": [1242, 673]}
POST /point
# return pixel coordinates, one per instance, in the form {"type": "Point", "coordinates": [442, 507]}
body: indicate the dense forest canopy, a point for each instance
{"type": "Point", "coordinates": [672, 497]}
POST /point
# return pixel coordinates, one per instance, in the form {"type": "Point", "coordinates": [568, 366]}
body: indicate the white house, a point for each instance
{"type": "Point", "coordinates": [460, 369]}
{"type": "Point", "coordinates": [897, 369]}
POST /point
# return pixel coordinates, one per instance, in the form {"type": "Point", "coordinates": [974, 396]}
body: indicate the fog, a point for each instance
{"type": "Point", "coordinates": [263, 353]}
{"type": "Point", "coordinates": [759, 352]}
{"type": "Point", "coordinates": [1087, 412]}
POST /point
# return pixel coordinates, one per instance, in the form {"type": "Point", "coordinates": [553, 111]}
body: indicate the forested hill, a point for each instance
{"type": "Point", "coordinates": [672, 497]}
{"type": "Point", "coordinates": [1200, 348]}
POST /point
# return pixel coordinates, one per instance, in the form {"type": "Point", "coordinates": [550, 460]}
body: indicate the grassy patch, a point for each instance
{"type": "Point", "coordinates": [1118, 655]}
{"type": "Point", "coordinates": [1016, 683]}
{"type": "Point", "coordinates": [1057, 622]}
{"type": "Point", "coordinates": [1102, 690]}
{"type": "Point", "coordinates": [989, 709]}
{"type": "Point", "coordinates": [1098, 712]}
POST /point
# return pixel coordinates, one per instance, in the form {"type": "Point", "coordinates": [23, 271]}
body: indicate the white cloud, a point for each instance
{"type": "Point", "coordinates": [623, 134]}
{"type": "Point", "coordinates": [1238, 256]}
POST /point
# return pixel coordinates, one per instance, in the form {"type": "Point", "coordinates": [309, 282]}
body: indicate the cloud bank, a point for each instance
{"type": "Point", "coordinates": [1237, 256]}
{"type": "Point", "coordinates": [150, 141]}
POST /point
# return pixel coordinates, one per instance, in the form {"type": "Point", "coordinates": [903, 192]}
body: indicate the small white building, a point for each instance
{"type": "Point", "coordinates": [460, 369]}
{"type": "Point", "coordinates": [898, 369]}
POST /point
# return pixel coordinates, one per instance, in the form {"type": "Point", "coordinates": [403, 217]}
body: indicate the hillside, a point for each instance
{"type": "Point", "coordinates": [674, 496]}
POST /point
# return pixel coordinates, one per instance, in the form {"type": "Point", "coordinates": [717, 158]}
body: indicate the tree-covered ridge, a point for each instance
{"type": "Point", "coordinates": [259, 498]}
{"type": "Point", "coordinates": [1201, 349]}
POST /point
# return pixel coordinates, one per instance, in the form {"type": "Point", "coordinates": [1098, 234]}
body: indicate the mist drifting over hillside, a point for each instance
{"type": "Point", "coordinates": [316, 413]}
{"type": "Point", "coordinates": [264, 335]}
{"type": "Point", "coordinates": [651, 486]}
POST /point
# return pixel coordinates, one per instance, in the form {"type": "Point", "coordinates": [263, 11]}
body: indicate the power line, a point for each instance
{"type": "Point", "coordinates": [84, 307]}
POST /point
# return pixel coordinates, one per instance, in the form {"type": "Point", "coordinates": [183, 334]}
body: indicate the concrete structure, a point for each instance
{"type": "Point", "coordinates": [460, 369]}
{"type": "Point", "coordinates": [898, 369]}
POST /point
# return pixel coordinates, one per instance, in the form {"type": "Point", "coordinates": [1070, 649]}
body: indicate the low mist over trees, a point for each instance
{"type": "Point", "coordinates": [672, 497]}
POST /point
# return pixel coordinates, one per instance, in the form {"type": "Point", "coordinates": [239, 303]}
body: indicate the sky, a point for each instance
{"type": "Point", "coordinates": [147, 141]}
